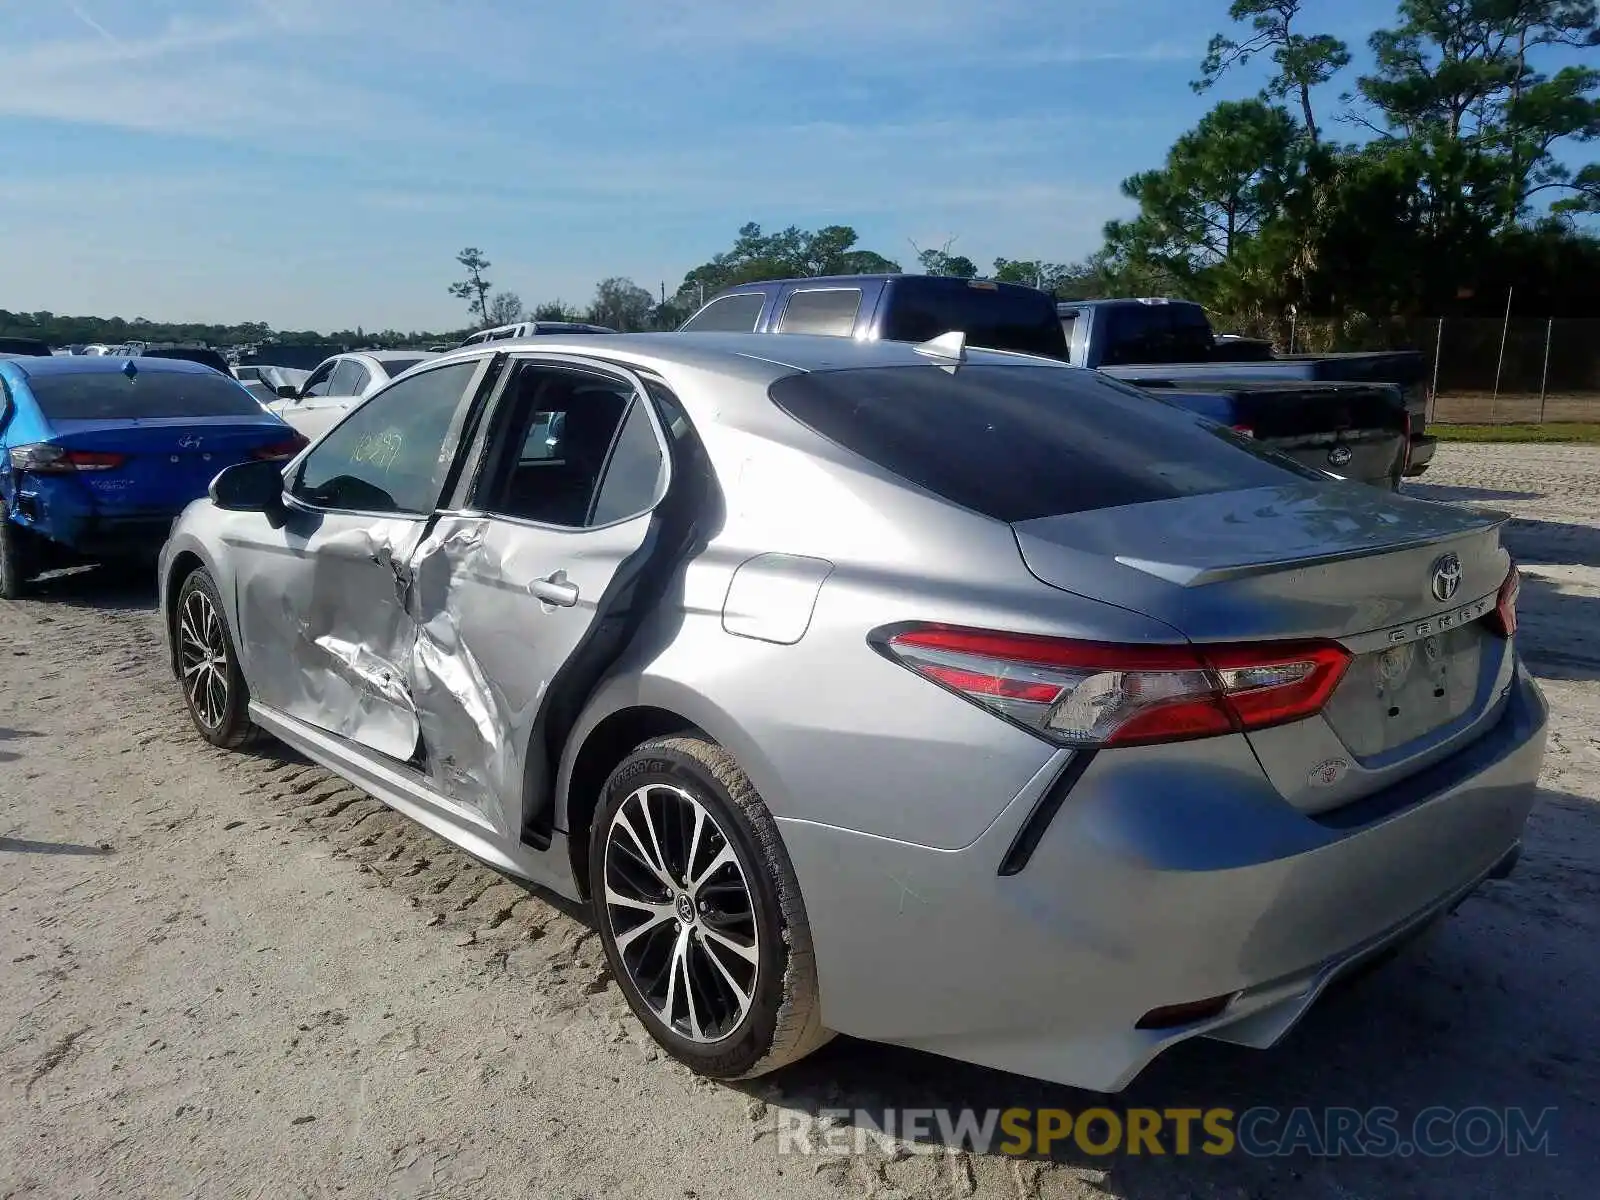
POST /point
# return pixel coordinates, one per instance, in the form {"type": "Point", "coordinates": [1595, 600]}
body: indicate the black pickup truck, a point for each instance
{"type": "Point", "coordinates": [1358, 430]}
{"type": "Point", "coordinates": [1171, 341]}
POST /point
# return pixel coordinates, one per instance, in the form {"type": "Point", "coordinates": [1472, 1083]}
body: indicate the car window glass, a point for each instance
{"type": "Point", "coordinates": [1015, 443]}
{"type": "Point", "coordinates": [1157, 333]}
{"type": "Point", "coordinates": [344, 378]}
{"type": "Point", "coordinates": [993, 317]}
{"type": "Point", "coordinates": [634, 474]}
{"type": "Point", "coordinates": [730, 314]}
{"type": "Point", "coordinates": [556, 434]}
{"type": "Point", "coordinates": [359, 379]}
{"type": "Point", "coordinates": [390, 454]}
{"type": "Point", "coordinates": [317, 384]}
{"type": "Point", "coordinates": [829, 311]}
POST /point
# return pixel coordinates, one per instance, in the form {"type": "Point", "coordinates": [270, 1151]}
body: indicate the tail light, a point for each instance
{"type": "Point", "coordinates": [281, 451]}
{"type": "Point", "coordinates": [1096, 694]}
{"type": "Point", "coordinates": [1504, 618]}
{"type": "Point", "coordinates": [1244, 431]}
{"type": "Point", "coordinates": [45, 459]}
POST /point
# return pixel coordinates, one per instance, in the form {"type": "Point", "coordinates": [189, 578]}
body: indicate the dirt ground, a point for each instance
{"type": "Point", "coordinates": [233, 975]}
{"type": "Point", "coordinates": [1481, 408]}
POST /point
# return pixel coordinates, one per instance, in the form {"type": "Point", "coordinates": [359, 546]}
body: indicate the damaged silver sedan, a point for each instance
{"type": "Point", "coordinates": [959, 700]}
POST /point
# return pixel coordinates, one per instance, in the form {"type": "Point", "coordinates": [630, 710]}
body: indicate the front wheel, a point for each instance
{"type": "Point", "coordinates": [700, 914]}
{"type": "Point", "coordinates": [214, 690]}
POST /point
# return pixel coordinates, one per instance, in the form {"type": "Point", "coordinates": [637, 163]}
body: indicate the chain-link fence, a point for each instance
{"type": "Point", "coordinates": [1485, 369]}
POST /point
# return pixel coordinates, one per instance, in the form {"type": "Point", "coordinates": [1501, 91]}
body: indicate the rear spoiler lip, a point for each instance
{"type": "Point", "coordinates": [1186, 576]}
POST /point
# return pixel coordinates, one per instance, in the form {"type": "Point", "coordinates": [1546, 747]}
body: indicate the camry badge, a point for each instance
{"type": "Point", "coordinates": [188, 442]}
{"type": "Point", "coordinates": [1446, 577]}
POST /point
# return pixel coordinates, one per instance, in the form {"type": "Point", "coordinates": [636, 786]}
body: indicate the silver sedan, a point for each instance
{"type": "Point", "coordinates": [960, 700]}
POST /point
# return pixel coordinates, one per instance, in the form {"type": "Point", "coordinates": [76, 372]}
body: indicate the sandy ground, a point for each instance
{"type": "Point", "coordinates": [235, 976]}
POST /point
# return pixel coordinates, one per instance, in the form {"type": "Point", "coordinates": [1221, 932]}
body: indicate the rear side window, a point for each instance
{"type": "Point", "coordinates": [996, 318]}
{"type": "Point", "coordinates": [829, 311]}
{"type": "Point", "coordinates": [113, 396]}
{"type": "Point", "coordinates": [729, 314]}
{"type": "Point", "coordinates": [1157, 333]}
{"type": "Point", "coordinates": [1015, 443]}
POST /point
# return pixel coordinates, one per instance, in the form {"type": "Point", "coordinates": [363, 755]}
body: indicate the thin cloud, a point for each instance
{"type": "Point", "coordinates": [77, 11]}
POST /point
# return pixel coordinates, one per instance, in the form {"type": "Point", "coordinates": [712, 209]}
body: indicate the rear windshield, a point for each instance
{"type": "Point", "coordinates": [397, 366]}
{"type": "Point", "coordinates": [1015, 443]}
{"type": "Point", "coordinates": [1157, 333]}
{"type": "Point", "coordinates": [997, 318]}
{"type": "Point", "coordinates": [111, 395]}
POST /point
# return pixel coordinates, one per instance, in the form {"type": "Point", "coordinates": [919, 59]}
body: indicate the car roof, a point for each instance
{"type": "Point", "coordinates": [390, 355]}
{"type": "Point", "coordinates": [105, 364]}
{"type": "Point", "coordinates": [760, 357]}
{"type": "Point", "coordinates": [812, 281]}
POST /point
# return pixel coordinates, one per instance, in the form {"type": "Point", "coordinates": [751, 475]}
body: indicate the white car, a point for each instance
{"type": "Point", "coordinates": [338, 383]}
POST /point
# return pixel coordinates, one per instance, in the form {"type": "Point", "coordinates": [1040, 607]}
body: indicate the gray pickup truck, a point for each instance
{"type": "Point", "coordinates": [1360, 430]}
{"type": "Point", "coordinates": [1158, 342]}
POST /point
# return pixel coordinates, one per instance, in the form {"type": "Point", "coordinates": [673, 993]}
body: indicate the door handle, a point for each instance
{"type": "Point", "coordinates": [554, 589]}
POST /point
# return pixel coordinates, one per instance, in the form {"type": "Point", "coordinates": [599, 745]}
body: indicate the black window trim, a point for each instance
{"type": "Point", "coordinates": [471, 400]}
{"type": "Point", "coordinates": [466, 498]}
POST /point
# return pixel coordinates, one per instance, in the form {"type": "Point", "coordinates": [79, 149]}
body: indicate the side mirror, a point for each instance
{"type": "Point", "coordinates": [255, 486]}
{"type": "Point", "coordinates": [288, 391]}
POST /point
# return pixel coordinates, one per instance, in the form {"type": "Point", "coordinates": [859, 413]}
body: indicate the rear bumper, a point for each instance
{"type": "Point", "coordinates": [1169, 876]}
{"type": "Point", "coordinates": [138, 535]}
{"type": "Point", "coordinates": [1423, 447]}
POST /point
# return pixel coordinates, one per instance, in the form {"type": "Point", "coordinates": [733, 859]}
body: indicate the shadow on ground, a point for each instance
{"type": "Point", "coordinates": [109, 587]}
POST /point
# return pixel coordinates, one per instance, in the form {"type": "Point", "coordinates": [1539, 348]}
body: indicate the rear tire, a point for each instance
{"type": "Point", "coordinates": [16, 559]}
{"type": "Point", "coordinates": [214, 690]}
{"type": "Point", "coordinates": [700, 913]}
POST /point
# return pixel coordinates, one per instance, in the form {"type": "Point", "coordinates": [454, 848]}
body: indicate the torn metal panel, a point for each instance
{"type": "Point", "coordinates": [324, 618]}
{"type": "Point", "coordinates": [470, 745]}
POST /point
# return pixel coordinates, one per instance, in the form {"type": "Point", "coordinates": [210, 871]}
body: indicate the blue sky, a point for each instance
{"type": "Point", "coordinates": [318, 163]}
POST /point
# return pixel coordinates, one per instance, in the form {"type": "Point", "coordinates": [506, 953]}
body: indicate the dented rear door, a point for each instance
{"type": "Point", "coordinates": [519, 594]}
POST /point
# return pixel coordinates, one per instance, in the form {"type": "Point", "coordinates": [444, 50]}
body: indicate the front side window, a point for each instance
{"type": "Point", "coordinates": [729, 314]}
{"type": "Point", "coordinates": [559, 429]}
{"type": "Point", "coordinates": [391, 454]}
{"type": "Point", "coordinates": [320, 381]}
{"type": "Point", "coordinates": [828, 311]}
{"type": "Point", "coordinates": [349, 377]}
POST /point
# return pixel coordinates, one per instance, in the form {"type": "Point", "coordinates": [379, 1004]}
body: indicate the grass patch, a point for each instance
{"type": "Point", "coordinates": [1556, 431]}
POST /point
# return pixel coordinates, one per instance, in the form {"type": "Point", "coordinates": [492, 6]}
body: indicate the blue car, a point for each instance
{"type": "Point", "coordinates": [99, 454]}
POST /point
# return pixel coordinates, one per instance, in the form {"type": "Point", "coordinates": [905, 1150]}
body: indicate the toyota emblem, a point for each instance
{"type": "Point", "coordinates": [1446, 577]}
{"type": "Point", "coordinates": [1339, 456]}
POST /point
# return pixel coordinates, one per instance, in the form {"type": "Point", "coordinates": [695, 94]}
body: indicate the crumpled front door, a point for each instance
{"type": "Point", "coordinates": [327, 632]}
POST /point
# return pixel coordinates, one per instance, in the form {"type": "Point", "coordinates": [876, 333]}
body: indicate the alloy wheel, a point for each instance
{"type": "Point", "coordinates": [203, 658]}
{"type": "Point", "coordinates": [681, 913]}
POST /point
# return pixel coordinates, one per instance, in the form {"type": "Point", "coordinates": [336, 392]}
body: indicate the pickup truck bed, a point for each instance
{"type": "Point", "coordinates": [1172, 340]}
{"type": "Point", "coordinates": [1359, 432]}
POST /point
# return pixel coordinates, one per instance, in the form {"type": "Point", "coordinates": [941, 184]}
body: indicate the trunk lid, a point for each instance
{"type": "Point", "coordinates": [169, 460]}
{"type": "Point", "coordinates": [1314, 560]}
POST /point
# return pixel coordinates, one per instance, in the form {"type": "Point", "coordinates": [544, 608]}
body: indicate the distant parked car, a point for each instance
{"type": "Point", "coordinates": [340, 382]}
{"type": "Point", "coordinates": [26, 347]}
{"type": "Point", "coordinates": [194, 354]}
{"type": "Point", "coordinates": [99, 454]}
{"type": "Point", "coordinates": [527, 329]}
